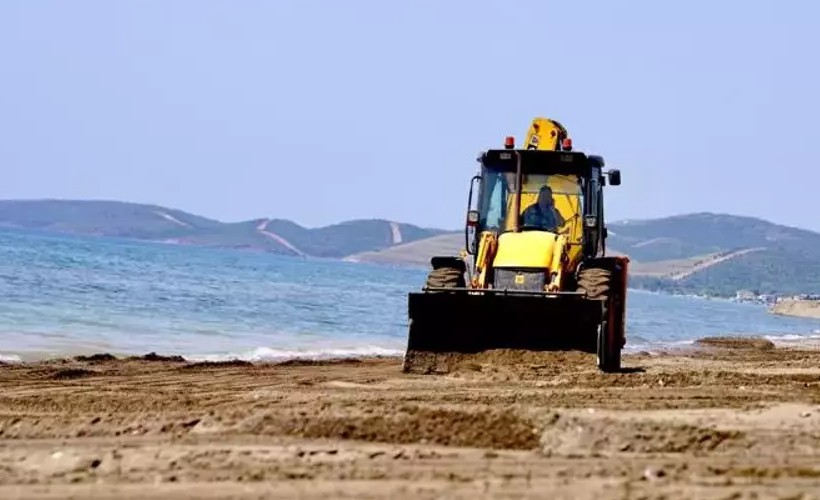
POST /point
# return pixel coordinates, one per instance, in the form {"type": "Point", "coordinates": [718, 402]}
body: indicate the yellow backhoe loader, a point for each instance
{"type": "Point", "coordinates": [534, 273]}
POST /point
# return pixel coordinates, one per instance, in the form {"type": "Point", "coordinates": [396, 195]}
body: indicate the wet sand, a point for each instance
{"type": "Point", "coordinates": [723, 420]}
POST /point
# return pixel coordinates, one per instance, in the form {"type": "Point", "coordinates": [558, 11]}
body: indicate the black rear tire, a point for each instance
{"type": "Point", "coordinates": [608, 353]}
{"type": "Point", "coordinates": [597, 284]}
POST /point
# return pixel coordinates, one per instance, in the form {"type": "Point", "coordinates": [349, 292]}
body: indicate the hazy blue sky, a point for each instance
{"type": "Point", "coordinates": [321, 111]}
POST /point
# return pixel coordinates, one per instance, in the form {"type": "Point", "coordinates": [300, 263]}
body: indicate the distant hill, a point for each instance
{"type": "Point", "coordinates": [156, 223]}
{"type": "Point", "coordinates": [701, 253]}
{"type": "Point", "coordinates": [703, 233]}
{"type": "Point", "coordinates": [725, 254]}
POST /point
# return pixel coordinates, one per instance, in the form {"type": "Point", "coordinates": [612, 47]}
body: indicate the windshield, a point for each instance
{"type": "Point", "coordinates": [548, 203]}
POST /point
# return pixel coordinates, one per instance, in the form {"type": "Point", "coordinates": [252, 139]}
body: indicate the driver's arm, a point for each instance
{"type": "Point", "coordinates": [559, 219]}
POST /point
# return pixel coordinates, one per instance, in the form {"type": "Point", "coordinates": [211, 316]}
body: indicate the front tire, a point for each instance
{"type": "Point", "coordinates": [446, 277]}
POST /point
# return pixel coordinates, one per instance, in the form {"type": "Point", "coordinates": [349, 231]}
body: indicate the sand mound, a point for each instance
{"type": "Point", "coordinates": [152, 356]}
{"type": "Point", "coordinates": [519, 363]}
{"type": "Point", "coordinates": [96, 358]}
{"type": "Point", "coordinates": [757, 343]}
{"type": "Point", "coordinates": [412, 424]}
{"type": "Point", "coordinates": [574, 436]}
{"type": "Point", "coordinates": [319, 362]}
{"type": "Point", "coordinates": [70, 373]}
{"type": "Point", "coordinates": [199, 365]}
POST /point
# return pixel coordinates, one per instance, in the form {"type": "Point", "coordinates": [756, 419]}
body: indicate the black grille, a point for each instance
{"type": "Point", "coordinates": [520, 279]}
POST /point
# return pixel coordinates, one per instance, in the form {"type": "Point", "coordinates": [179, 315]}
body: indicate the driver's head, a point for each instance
{"type": "Point", "coordinates": [545, 196]}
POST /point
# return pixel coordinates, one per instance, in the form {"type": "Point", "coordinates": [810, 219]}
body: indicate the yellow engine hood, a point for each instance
{"type": "Point", "coordinates": [533, 249]}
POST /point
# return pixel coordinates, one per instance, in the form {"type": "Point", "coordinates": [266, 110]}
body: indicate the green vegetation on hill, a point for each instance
{"type": "Point", "coordinates": [110, 218]}
{"type": "Point", "coordinates": [415, 253]}
{"type": "Point", "coordinates": [783, 261]}
{"type": "Point", "coordinates": [775, 271]}
{"type": "Point", "coordinates": [702, 233]}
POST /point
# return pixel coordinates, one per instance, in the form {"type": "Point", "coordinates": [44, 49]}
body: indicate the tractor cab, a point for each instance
{"type": "Point", "coordinates": [528, 218]}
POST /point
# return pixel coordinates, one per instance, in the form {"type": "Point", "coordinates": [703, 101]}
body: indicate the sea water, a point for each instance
{"type": "Point", "coordinates": [63, 295]}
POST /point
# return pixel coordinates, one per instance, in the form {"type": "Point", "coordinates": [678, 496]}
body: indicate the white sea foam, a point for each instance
{"type": "Point", "coordinates": [277, 355]}
{"type": "Point", "coordinates": [794, 340]}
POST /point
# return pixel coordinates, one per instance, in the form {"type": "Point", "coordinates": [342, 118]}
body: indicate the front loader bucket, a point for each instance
{"type": "Point", "coordinates": [450, 323]}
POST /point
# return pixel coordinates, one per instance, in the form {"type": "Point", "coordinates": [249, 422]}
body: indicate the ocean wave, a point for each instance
{"type": "Point", "coordinates": [10, 358]}
{"type": "Point", "coordinates": [792, 339]}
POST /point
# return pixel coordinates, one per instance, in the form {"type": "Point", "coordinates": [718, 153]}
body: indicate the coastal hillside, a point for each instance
{"type": "Point", "coordinates": [156, 223]}
{"type": "Point", "coordinates": [108, 218]}
{"type": "Point", "coordinates": [415, 253]}
{"type": "Point", "coordinates": [718, 254]}
{"type": "Point", "coordinates": [693, 235]}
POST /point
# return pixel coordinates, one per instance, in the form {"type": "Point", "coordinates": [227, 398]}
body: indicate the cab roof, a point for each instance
{"type": "Point", "coordinates": [534, 161]}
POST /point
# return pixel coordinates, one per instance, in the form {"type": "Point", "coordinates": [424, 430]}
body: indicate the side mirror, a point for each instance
{"type": "Point", "coordinates": [472, 218]}
{"type": "Point", "coordinates": [615, 177]}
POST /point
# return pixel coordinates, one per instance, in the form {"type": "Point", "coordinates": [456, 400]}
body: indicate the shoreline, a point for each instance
{"type": "Point", "coordinates": [807, 340]}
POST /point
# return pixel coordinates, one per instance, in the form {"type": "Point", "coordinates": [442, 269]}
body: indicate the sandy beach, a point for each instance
{"type": "Point", "coordinates": [796, 307]}
{"type": "Point", "coordinates": [721, 420]}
